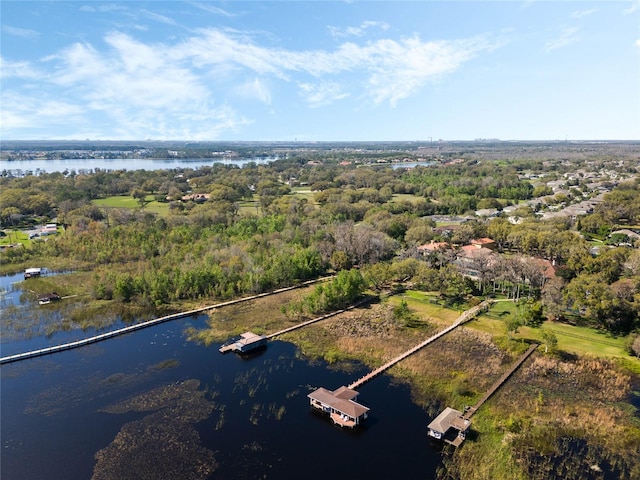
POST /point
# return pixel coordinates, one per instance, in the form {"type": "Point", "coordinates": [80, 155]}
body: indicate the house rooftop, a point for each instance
{"type": "Point", "coordinates": [433, 246]}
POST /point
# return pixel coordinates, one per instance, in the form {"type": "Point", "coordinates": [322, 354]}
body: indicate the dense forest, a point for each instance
{"type": "Point", "coordinates": [264, 226]}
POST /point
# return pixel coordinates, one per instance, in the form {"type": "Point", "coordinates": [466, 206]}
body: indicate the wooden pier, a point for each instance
{"type": "Point", "coordinates": [150, 323]}
{"type": "Point", "coordinates": [451, 425]}
{"type": "Point", "coordinates": [469, 413]}
{"type": "Point", "coordinates": [317, 319]}
{"type": "Point", "coordinates": [465, 317]}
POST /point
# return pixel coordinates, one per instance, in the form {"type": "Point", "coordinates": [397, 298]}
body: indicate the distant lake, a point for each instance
{"type": "Point", "coordinates": [154, 402]}
{"type": "Point", "coordinates": [48, 166]}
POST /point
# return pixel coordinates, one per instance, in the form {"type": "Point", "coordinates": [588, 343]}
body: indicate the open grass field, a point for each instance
{"type": "Point", "coordinates": [304, 192]}
{"type": "Point", "coordinates": [578, 340]}
{"type": "Point", "coordinates": [127, 201]}
{"type": "Point", "coordinates": [15, 236]}
{"type": "Point", "coordinates": [425, 305]}
{"type": "Point", "coordinates": [253, 206]}
{"type": "Point", "coordinates": [406, 197]}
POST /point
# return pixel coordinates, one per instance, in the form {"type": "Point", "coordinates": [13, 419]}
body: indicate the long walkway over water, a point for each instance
{"type": "Point", "coordinates": [156, 321]}
{"type": "Point", "coordinates": [465, 317]}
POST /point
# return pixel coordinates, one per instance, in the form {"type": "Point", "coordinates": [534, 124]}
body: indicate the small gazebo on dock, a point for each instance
{"type": "Point", "coordinates": [445, 425]}
{"type": "Point", "coordinates": [340, 405]}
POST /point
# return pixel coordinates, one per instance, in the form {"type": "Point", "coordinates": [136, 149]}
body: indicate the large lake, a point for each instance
{"type": "Point", "coordinates": [78, 165]}
{"type": "Point", "coordinates": [154, 404]}
{"type": "Point", "coordinates": [20, 167]}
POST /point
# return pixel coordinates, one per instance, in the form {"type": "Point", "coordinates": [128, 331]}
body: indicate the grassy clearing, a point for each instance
{"type": "Point", "coordinates": [127, 201]}
{"type": "Point", "coordinates": [304, 192]}
{"type": "Point", "coordinates": [574, 339]}
{"type": "Point", "coordinates": [427, 305]}
{"type": "Point", "coordinates": [406, 197]}
{"type": "Point", "coordinates": [15, 236]}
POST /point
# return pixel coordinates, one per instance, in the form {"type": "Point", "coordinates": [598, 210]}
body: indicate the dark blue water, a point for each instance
{"type": "Point", "coordinates": [59, 411]}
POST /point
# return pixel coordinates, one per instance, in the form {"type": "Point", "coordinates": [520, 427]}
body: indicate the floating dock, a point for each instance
{"type": "Point", "coordinates": [244, 343]}
{"type": "Point", "coordinates": [32, 273]}
{"type": "Point", "coordinates": [247, 342]}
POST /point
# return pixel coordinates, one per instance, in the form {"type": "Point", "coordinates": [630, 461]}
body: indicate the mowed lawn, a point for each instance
{"type": "Point", "coordinates": [578, 340]}
{"type": "Point", "coordinates": [127, 201]}
{"type": "Point", "coordinates": [572, 339]}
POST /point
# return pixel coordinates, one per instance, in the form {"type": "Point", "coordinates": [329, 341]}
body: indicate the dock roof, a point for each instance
{"type": "Point", "coordinates": [340, 400]}
{"type": "Point", "coordinates": [447, 419]}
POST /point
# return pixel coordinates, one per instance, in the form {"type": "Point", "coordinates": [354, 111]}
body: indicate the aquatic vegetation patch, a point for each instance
{"type": "Point", "coordinates": [163, 444]}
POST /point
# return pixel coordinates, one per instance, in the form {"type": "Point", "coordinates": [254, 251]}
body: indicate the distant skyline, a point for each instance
{"type": "Point", "coordinates": [320, 70]}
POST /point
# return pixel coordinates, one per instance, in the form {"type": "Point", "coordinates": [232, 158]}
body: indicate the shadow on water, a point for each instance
{"type": "Point", "coordinates": [108, 409]}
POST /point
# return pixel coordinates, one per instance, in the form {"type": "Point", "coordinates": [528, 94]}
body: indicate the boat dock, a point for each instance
{"type": "Point", "coordinates": [247, 342]}
{"type": "Point", "coordinates": [451, 425]}
{"type": "Point", "coordinates": [340, 404]}
{"type": "Point", "coordinates": [250, 341]}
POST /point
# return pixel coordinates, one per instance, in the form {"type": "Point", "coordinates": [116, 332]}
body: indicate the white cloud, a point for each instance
{"type": "Point", "coordinates": [164, 90]}
{"type": "Point", "coordinates": [25, 33]}
{"type": "Point", "coordinates": [22, 111]}
{"type": "Point", "coordinates": [358, 31]}
{"type": "Point", "coordinates": [638, 43]}
{"type": "Point", "coordinates": [582, 13]}
{"type": "Point", "coordinates": [255, 89]}
{"type": "Point", "coordinates": [9, 69]}
{"type": "Point", "coordinates": [568, 36]}
{"type": "Point", "coordinates": [159, 18]}
{"type": "Point", "coordinates": [103, 8]}
{"type": "Point", "coordinates": [211, 9]}
{"type": "Point", "coordinates": [391, 69]}
{"type": "Point", "coordinates": [322, 94]}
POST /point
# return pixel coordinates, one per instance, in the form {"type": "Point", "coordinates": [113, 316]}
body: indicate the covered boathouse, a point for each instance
{"type": "Point", "coordinates": [340, 405]}
{"type": "Point", "coordinates": [445, 426]}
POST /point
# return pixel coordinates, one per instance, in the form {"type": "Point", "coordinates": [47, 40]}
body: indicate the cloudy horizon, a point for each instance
{"type": "Point", "coordinates": [320, 70]}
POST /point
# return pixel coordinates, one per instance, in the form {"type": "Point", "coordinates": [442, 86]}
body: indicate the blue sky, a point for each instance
{"type": "Point", "coordinates": [320, 70]}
